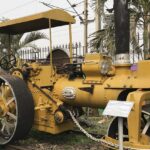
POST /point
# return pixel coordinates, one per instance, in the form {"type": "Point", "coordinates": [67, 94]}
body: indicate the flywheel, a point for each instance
{"type": "Point", "coordinates": [113, 129]}
{"type": "Point", "coordinates": [16, 109]}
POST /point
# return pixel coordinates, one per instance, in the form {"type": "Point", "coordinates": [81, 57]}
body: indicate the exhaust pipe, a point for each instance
{"type": "Point", "coordinates": [122, 31]}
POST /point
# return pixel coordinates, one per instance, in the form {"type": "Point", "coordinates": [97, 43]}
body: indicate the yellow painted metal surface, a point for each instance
{"type": "Point", "coordinates": [36, 22]}
{"type": "Point", "coordinates": [134, 119]}
{"type": "Point", "coordinates": [92, 68]}
{"type": "Point", "coordinates": [98, 98]}
{"type": "Point", "coordinates": [44, 112]}
{"type": "Point", "coordinates": [129, 144]}
{"type": "Point", "coordinates": [41, 75]}
{"type": "Point", "coordinates": [126, 78]}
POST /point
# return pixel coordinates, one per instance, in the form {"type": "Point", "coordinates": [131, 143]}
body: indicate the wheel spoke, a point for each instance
{"type": "Point", "coordinates": [3, 91]}
{"type": "Point", "coordinates": [7, 129]}
{"type": "Point", "coordinates": [147, 125]}
{"type": "Point", "coordinates": [12, 115]}
{"type": "Point", "coordinates": [3, 126]}
{"type": "Point", "coordinates": [9, 101]}
{"type": "Point", "coordinates": [124, 135]}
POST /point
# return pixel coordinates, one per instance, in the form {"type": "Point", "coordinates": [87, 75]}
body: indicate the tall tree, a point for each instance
{"type": "Point", "coordinates": [103, 39]}
{"type": "Point", "coordinates": [141, 10]}
{"type": "Point", "coordinates": [140, 13]}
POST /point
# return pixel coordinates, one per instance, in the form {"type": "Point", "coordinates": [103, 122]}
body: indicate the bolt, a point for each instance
{"type": "Point", "coordinates": [108, 85]}
{"type": "Point", "coordinates": [124, 86]}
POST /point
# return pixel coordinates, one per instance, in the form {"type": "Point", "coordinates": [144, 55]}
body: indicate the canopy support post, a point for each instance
{"type": "Point", "coordinates": [70, 43]}
{"type": "Point", "coordinates": [50, 46]}
{"type": "Point", "coordinates": [9, 44]}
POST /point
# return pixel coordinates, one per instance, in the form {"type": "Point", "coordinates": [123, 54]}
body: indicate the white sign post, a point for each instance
{"type": "Point", "coordinates": [120, 109]}
{"type": "Point", "coordinates": [120, 132]}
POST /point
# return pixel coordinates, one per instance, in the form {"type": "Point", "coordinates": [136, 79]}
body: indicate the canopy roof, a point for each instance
{"type": "Point", "coordinates": [36, 22]}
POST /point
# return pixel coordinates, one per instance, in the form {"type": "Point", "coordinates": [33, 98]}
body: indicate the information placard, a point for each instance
{"type": "Point", "coordinates": [118, 108]}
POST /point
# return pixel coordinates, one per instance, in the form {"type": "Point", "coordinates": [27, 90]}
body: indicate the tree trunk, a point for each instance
{"type": "Point", "coordinates": [149, 32]}
{"type": "Point", "coordinates": [146, 37]}
{"type": "Point", "coordinates": [133, 34]}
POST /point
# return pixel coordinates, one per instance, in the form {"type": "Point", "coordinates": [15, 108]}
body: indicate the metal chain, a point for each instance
{"type": "Point", "coordinates": [102, 141]}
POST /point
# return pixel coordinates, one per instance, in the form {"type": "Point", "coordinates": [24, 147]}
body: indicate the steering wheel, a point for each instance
{"type": "Point", "coordinates": [7, 61]}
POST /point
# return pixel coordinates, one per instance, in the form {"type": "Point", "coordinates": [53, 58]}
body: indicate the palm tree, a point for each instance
{"type": "Point", "coordinates": [140, 13]}
{"type": "Point", "coordinates": [98, 6]}
{"type": "Point", "coordinates": [103, 40]}
{"type": "Point", "coordinates": [18, 42]}
{"type": "Point", "coordinates": [134, 38]}
{"type": "Point", "coordinates": [141, 10]}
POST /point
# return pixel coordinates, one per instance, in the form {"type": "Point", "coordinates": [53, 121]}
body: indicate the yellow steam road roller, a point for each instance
{"type": "Point", "coordinates": [50, 98]}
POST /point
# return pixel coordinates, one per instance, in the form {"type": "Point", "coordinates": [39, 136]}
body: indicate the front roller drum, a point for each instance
{"type": "Point", "coordinates": [16, 109]}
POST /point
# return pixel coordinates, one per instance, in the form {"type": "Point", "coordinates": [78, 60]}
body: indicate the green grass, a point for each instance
{"type": "Point", "coordinates": [67, 140]}
{"type": "Point", "coordinates": [69, 137]}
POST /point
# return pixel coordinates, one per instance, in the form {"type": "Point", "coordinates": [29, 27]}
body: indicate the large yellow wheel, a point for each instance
{"type": "Point", "coordinates": [16, 109]}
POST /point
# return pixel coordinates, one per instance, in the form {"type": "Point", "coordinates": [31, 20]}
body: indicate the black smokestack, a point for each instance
{"type": "Point", "coordinates": [122, 33]}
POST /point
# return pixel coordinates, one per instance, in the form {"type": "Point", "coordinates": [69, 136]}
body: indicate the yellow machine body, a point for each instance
{"type": "Point", "coordinates": [96, 81]}
{"type": "Point", "coordinates": [92, 90]}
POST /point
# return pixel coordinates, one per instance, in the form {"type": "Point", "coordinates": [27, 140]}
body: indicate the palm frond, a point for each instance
{"type": "Point", "coordinates": [33, 36]}
{"type": "Point", "coordinates": [103, 38]}
{"type": "Point", "coordinates": [32, 46]}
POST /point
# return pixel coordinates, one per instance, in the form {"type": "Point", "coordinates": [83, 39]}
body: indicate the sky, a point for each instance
{"type": "Point", "coordinates": [19, 8]}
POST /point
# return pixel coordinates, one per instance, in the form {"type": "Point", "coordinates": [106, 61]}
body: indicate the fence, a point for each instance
{"type": "Point", "coordinates": [42, 53]}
